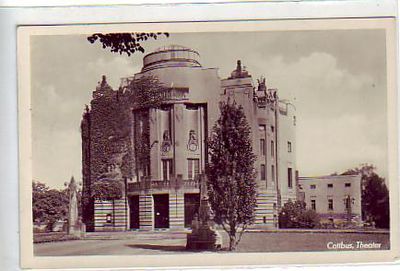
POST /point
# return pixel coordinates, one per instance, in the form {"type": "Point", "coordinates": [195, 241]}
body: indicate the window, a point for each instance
{"type": "Point", "coordinates": [167, 168]}
{"type": "Point", "coordinates": [272, 148]}
{"type": "Point", "coordinates": [330, 204]}
{"type": "Point", "coordinates": [330, 185]}
{"type": "Point", "coordinates": [347, 203]}
{"type": "Point", "coordinates": [262, 172]}
{"type": "Point", "coordinates": [289, 146]}
{"type": "Point", "coordinates": [109, 218]}
{"type": "Point", "coordinates": [313, 186]}
{"type": "Point", "coordinates": [261, 127]}
{"type": "Point", "coordinates": [193, 168]}
{"type": "Point", "coordinates": [347, 184]}
{"type": "Point", "coordinates": [273, 174]}
{"type": "Point", "coordinates": [290, 177]}
{"type": "Point", "coordinates": [272, 128]}
{"type": "Point", "coordinates": [313, 205]}
{"type": "Point", "coordinates": [262, 147]}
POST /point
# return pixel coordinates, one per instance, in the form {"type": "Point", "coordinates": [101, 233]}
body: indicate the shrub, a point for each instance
{"type": "Point", "coordinates": [295, 215]}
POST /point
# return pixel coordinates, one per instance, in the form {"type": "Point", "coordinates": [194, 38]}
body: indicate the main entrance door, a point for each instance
{"type": "Point", "coordinates": [161, 211]}
{"type": "Point", "coordinates": [134, 212]}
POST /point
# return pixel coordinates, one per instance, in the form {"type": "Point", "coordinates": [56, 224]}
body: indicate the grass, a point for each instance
{"type": "Point", "coordinates": [52, 237]}
{"type": "Point", "coordinates": [307, 241]}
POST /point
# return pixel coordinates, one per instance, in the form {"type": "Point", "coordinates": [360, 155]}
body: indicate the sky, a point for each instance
{"type": "Point", "coordinates": [335, 78]}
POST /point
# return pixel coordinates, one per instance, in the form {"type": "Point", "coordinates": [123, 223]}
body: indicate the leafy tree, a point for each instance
{"type": "Point", "coordinates": [107, 190]}
{"type": "Point", "coordinates": [48, 205]}
{"type": "Point", "coordinates": [295, 215]}
{"type": "Point", "coordinates": [127, 43]}
{"type": "Point", "coordinates": [231, 173]}
{"type": "Point", "coordinates": [374, 195]}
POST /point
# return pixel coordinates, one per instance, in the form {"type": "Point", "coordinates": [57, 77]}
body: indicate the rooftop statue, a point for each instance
{"type": "Point", "coordinates": [240, 71]}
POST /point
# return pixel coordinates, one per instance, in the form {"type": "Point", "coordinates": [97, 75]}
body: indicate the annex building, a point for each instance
{"type": "Point", "coordinates": [157, 154]}
{"type": "Point", "coordinates": [336, 198]}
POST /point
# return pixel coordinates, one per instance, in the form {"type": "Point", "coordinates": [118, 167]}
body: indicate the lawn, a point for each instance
{"type": "Point", "coordinates": [134, 243]}
{"type": "Point", "coordinates": [307, 241]}
{"type": "Point", "coordinates": [52, 237]}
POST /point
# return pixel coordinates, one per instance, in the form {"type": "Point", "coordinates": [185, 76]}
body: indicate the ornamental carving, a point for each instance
{"type": "Point", "coordinates": [192, 143]}
{"type": "Point", "coordinates": [166, 143]}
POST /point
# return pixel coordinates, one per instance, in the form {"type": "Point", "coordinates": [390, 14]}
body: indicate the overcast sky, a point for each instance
{"type": "Point", "coordinates": [336, 79]}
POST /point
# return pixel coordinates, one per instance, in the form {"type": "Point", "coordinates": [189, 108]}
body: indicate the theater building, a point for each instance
{"type": "Point", "coordinates": [336, 198]}
{"type": "Point", "coordinates": [164, 193]}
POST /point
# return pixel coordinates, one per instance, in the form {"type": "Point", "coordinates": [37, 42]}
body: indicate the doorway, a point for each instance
{"type": "Point", "coordinates": [161, 211]}
{"type": "Point", "coordinates": [134, 212]}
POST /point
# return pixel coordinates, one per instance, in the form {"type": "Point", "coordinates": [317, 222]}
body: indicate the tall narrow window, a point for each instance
{"type": "Point", "coordinates": [272, 148]}
{"type": "Point", "coordinates": [193, 168]}
{"type": "Point", "coordinates": [289, 146]}
{"type": "Point", "coordinates": [330, 204]}
{"type": "Point", "coordinates": [262, 147]}
{"type": "Point", "coordinates": [167, 167]}
{"type": "Point", "coordinates": [290, 177]}
{"type": "Point", "coordinates": [262, 172]}
{"type": "Point", "coordinates": [313, 204]}
{"type": "Point", "coordinates": [273, 174]}
{"type": "Point", "coordinates": [347, 203]}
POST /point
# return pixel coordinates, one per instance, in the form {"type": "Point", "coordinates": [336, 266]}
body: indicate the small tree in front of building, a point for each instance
{"type": "Point", "coordinates": [295, 215]}
{"type": "Point", "coordinates": [231, 174]}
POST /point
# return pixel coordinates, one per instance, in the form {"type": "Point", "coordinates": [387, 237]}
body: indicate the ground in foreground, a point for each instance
{"type": "Point", "coordinates": [167, 243]}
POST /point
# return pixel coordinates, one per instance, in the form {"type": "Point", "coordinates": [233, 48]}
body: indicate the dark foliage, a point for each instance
{"type": "Point", "coordinates": [374, 197]}
{"type": "Point", "coordinates": [295, 215]}
{"type": "Point", "coordinates": [107, 189]}
{"type": "Point", "coordinates": [127, 43]}
{"type": "Point", "coordinates": [49, 205]}
{"type": "Point", "coordinates": [110, 133]}
{"type": "Point", "coordinates": [231, 174]}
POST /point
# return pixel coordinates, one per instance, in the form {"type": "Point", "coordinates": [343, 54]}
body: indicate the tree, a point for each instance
{"type": "Point", "coordinates": [295, 215]}
{"type": "Point", "coordinates": [374, 195]}
{"type": "Point", "coordinates": [231, 174]}
{"type": "Point", "coordinates": [48, 205]}
{"type": "Point", "coordinates": [127, 43]}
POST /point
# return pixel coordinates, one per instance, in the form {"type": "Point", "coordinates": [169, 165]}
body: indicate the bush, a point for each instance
{"type": "Point", "coordinates": [295, 215]}
{"type": "Point", "coordinates": [308, 219]}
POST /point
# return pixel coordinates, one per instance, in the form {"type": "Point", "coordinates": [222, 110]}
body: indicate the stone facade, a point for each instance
{"type": "Point", "coordinates": [337, 198]}
{"type": "Point", "coordinates": [163, 191]}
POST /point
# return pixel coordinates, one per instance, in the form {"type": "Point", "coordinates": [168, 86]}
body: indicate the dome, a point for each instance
{"type": "Point", "coordinates": [171, 56]}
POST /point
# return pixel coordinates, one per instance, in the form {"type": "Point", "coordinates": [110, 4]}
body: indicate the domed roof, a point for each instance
{"type": "Point", "coordinates": [171, 56]}
{"type": "Point", "coordinates": [173, 47]}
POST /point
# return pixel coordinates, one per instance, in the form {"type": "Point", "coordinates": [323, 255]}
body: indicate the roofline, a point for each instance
{"type": "Point", "coordinates": [329, 176]}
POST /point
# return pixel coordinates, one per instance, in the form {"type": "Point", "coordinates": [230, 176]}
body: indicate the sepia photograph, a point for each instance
{"type": "Point", "coordinates": [224, 139]}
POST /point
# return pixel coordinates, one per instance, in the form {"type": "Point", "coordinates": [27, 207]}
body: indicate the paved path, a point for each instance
{"type": "Point", "coordinates": [167, 243]}
{"type": "Point", "coordinates": [109, 247]}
